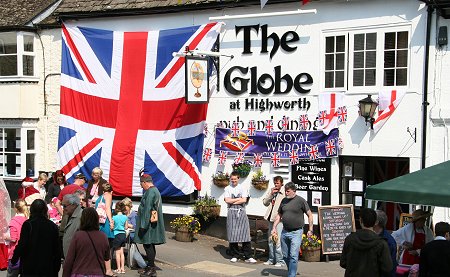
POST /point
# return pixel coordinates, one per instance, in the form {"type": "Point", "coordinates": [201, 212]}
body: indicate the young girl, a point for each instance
{"type": "Point", "coordinates": [120, 225]}
{"type": "Point", "coordinates": [15, 226]}
{"type": "Point", "coordinates": [53, 212]}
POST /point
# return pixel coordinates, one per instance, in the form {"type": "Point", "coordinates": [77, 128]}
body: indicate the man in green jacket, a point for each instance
{"type": "Point", "coordinates": [150, 233]}
{"type": "Point", "coordinates": [364, 252]}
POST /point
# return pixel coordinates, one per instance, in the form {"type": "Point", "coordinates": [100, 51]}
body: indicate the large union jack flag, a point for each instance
{"type": "Point", "coordinates": [123, 107]}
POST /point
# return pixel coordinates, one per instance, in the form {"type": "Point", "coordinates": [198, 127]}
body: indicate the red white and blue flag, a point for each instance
{"type": "Point", "coordinates": [330, 147]}
{"type": "Point", "coordinates": [207, 154]}
{"type": "Point", "coordinates": [285, 123]}
{"type": "Point", "coordinates": [251, 128]}
{"type": "Point", "coordinates": [123, 107]}
{"type": "Point", "coordinates": [222, 157]}
{"type": "Point", "coordinates": [342, 114]}
{"type": "Point", "coordinates": [313, 152]}
{"type": "Point", "coordinates": [257, 160]}
{"type": "Point", "coordinates": [304, 122]}
{"type": "Point", "coordinates": [275, 159]}
{"type": "Point", "coordinates": [269, 127]}
{"type": "Point", "coordinates": [293, 157]}
{"type": "Point", "coordinates": [239, 158]}
{"type": "Point", "coordinates": [235, 129]}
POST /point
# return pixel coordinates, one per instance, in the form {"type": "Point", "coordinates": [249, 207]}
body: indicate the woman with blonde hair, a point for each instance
{"type": "Point", "coordinates": [13, 234]}
{"type": "Point", "coordinates": [39, 185]}
{"type": "Point", "coordinates": [95, 186]}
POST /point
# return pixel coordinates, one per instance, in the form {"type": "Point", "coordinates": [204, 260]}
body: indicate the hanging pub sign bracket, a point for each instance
{"type": "Point", "coordinates": [412, 134]}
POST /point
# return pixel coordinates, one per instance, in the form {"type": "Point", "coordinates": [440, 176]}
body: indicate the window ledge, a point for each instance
{"type": "Point", "coordinates": [15, 79]}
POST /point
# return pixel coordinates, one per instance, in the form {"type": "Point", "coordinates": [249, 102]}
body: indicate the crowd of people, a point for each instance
{"type": "Point", "coordinates": [78, 226]}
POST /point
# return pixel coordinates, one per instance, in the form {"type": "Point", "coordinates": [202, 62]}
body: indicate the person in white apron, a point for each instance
{"type": "Point", "coordinates": [238, 228]}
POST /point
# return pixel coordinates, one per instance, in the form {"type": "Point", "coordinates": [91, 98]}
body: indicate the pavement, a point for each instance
{"type": "Point", "coordinates": [206, 257]}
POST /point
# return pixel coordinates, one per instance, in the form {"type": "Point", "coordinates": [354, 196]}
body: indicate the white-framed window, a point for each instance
{"type": "Point", "coordinates": [17, 151]}
{"type": "Point", "coordinates": [17, 55]}
{"type": "Point", "coordinates": [374, 58]}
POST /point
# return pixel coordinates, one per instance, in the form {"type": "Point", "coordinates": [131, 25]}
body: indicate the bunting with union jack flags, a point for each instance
{"type": "Point", "coordinates": [123, 107]}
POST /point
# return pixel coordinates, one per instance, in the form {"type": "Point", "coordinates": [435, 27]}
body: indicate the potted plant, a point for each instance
{"type": "Point", "coordinates": [221, 179]}
{"type": "Point", "coordinates": [207, 207]}
{"type": "Point", "coordinates": [242, 168]}
{"type": "Point", "coordinates": [185, 227]}
{"type": "Point", "coordinates": [259, 180]}
{"type": "Point", "coordinates": [311, 248]}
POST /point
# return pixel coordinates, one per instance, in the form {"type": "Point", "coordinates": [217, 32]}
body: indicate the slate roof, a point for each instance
{"type": "Point", "coordinates": [19, 13]}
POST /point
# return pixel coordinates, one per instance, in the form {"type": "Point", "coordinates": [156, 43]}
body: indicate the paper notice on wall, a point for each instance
{"type": "Point", "coordinates": [355, 185]}
{"type": "Point", "coordinates": [316, 198]}
{"type": "Point", "coordinates": [358, 201]}
{"type": "Point", "coordinates": [303, 194]}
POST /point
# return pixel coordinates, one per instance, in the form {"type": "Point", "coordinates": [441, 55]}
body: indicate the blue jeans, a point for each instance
{"type": "Point", "coordinates": [290, 245]}
{"type": "Point", "coordinates": [275, 254]}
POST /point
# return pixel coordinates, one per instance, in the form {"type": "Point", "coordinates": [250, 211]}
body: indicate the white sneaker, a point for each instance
{"type": "Point", "coordinates": [279, 264]}
{"type": "Point", "coordinates": [251, 260]}
{"type": "Point", "coordinates": [268, 263]}
{"type": "Point", "coordinates": [233, 260]}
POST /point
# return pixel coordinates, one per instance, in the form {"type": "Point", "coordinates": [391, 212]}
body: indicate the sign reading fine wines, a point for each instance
{"type": "Point", "coordinates": [313, 181]}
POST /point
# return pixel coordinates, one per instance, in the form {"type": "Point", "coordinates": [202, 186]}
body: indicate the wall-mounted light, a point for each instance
{"type": "Point", "coordinates": [367, 109]}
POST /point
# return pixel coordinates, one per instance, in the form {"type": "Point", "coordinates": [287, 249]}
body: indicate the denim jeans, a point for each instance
{"type": "Point", "coordinates": [275, 254]}
{"type": "Point", "coordinates": [290, 245]}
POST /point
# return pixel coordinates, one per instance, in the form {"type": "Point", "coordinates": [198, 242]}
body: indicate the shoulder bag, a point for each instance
{"type": "Point", "coordinates": [154, 214]}
{"type": "Point", "coordinates": [101, 211]}
{"type": "Point", "coordinates": [96, 255]}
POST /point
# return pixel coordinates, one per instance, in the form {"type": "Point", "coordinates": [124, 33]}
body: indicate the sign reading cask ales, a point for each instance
{"type": "Point", "coordinates": [336, 223]}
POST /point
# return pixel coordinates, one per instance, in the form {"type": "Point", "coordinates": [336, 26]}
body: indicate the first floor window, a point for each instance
{"type": "Point", "coordinates": [17, 54]}
{"type": "Point", "coordinates": [17, 152]}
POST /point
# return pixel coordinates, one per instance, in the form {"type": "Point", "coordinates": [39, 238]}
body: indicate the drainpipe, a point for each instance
{"type": "Point", "coordinates": [425, 103]}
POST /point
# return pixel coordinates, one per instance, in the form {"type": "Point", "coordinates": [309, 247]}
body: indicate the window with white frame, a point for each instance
{"type": "Point", "coordinates": [17, 55]}
{"type": "Point", "coordinates": [17, 152]}
{"type": "Point", "coordinates": [373, 58]}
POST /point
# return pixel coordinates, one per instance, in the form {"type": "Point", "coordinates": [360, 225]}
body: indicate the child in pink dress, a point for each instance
{"type": "Point", "coordinates": [53, 212]}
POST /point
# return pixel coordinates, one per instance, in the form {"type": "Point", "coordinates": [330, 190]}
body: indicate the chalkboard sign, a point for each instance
{"type": "Point", "coordinates": [405, 219]}
{"type": "Point", "coordinates": [336, 223]}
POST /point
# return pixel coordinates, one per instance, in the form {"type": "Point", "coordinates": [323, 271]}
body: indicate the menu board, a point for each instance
{"type": "Point", "coordinates": [336, 223]}
{"type": "Point", "coordinates": [313, 181]}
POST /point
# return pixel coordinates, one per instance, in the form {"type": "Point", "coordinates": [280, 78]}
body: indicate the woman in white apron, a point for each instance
{"type": "Point", "coordinates": [238, 229]}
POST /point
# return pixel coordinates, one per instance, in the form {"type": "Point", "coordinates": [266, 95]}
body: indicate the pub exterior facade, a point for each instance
{"type": "Point", "coordinates": [274, 65]}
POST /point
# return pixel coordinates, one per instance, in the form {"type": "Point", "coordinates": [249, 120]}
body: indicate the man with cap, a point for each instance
{"type": "Point", "coordinates": [149, 233]}
{"type": "Point", "coordinates": [78, 184]}
{"type": "Point", "coordinates": [413, 237]}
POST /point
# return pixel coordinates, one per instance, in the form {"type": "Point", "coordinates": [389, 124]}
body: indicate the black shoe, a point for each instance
{"type": "Point", "coordinates": [143, 270]}
{"type": "Point", "coordinates": [149, 273]}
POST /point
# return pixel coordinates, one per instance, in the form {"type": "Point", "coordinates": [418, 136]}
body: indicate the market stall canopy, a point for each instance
{"type": "Point", "coordinates": [429, 186]}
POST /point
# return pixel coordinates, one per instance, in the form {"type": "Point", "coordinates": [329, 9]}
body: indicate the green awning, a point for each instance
{"type": "Point", "coordinates": [428, 186]}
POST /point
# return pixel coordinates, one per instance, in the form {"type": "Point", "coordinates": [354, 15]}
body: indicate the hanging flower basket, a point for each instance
{"type": "Point", "coordinates": [243, 169]}
{"type": "Point", "coordinates": [311, 254]}
{"type": "Point", "coordinates": [208, 211]}
{"type": "Point", "coordinates": [221, 179]}
{"type": "Point", "coordinates": [260, 185]}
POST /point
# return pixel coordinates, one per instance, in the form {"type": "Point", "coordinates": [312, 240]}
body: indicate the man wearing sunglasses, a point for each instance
{"type": "Point", "coordinates": [72, 209]}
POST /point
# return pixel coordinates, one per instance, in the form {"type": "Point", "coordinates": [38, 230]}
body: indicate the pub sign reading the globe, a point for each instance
{"type": "Point", "coordinates": [197, 83]}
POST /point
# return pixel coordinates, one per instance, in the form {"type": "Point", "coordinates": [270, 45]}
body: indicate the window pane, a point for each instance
{"type": "Point", "coordinates": [402, 58]}
{"type": "Point", "coordinates": [8, 65]}
{"type": "Point", "coordinates": [359, 42]}
{"type": "Point", "coordinates": [389, 59]}
{"type": "Point", "coordinates": [329, 45]}
{"type": "Point", "coordinates": [389, 77]}
{"type": "Point", "coordinates": [358, 60]}
{"type": "Point", "coordinates": [371, 41]}
{"type": "Point", "coordinates": [401, 77]}
{"type": "Point", "coordinates": [370, 77]}
{"type": "Point", "coordinates": [12, 164]}
{"type": "Point", "coordinates": [30, 139]}
{"type": "Point", "coordinates": [358, 77]}
{"type": "Point", "coordinates": [329, 79]}
{"type": "Point", "coordinates": [329, 62]}
{"type": "Point", "coordinates": [30, 160]}
{"type": "Point", "coordinates": [402, 40]}
{"type": "Point", "coordinates": [28, 43]}
{"type": "Point", "coordinates": [339, 79]}
{"type": "Point", "coordinates": [389, 41]}
{"type": "Point", "coordinates": [28, 68]}
{"type": "Point", "coordinates": [340, 61]}
{"type": "Point", "coordinates": [371, 58]}
{"type": "Point", "coordinates": [8, 43]}
{"type": "Point", "coordinates": [340, 44]}
{"type": "Point", "coordinates": [12, 140]}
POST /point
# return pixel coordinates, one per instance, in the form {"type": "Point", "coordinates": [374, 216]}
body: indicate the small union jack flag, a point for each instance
{"type": "Point", "coordinates": [251, 128]}
{"type": "Point", "coordinates": [207, 154]}
{"type": "Point", "coordinates": [257, 160]}
{"type": "Point", "coordinates": [269, 127]}
{"type": "Point", "coordinates": [222, 157]}
{"type": "Point", "coordinates": [340, 144]}
{"type": "Point", "coordinates": [205, 130]}
{"type": "Point", "coordinates": [239, 158]}
{"type": "Point", "coordinates": [275, 159]}
{"type": "Point", "coordinates": [293, 157]}
{"type": "Point", "coordinates": [342, 114]}
{"type": "Point", "coordinates": [322, 116]}
{"type": "Point", "coordinates": [235, 129]}
{"type": "Point", "coordinates": [314, 152]}
{"type": "Point", "coordinates": [304, 122]}
{"type": "Point", "coordinates": [330, 147]}
{"type": "Point", "coordinates": [284, 123]}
